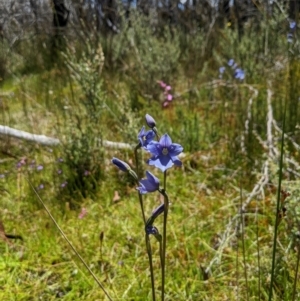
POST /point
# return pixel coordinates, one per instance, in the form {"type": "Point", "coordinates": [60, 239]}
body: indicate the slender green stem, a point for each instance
{"type": "Point", "coordinates": [164, 244]}
{"type": "Point", "coordinates": [156, 133]}
{"type": "Point", "coordinates": [237, 271]}
{"type": "Point", "coordinates": [277, 208]}
{"type": "Point", "coordinates": [137, 159]}
{"type": "Point", "coordinates": [258, 253]}
{"type": "Point", "coordinates": [258, 256]}
{"type": "Point", "coordinates": [142, 207]}
{"type": "Point", "coordinates": [149, 251]}
{"type": "Point", "coordinates": [148, 244]}
{"type": "Point", "coordinates": [244, 255]}
{"type": "Point", "coordinates": [137, 172]}
{"type": "Point", "coordinates": [296, 274]}
{"type": "Point", "coordinates": [164, 240]}
{"type": "Point", "coordinates": [161, 252]}
{"type": "Point", "coordinates": [243, 241]}
{"type": "Point", "coordinates": [69, 242]}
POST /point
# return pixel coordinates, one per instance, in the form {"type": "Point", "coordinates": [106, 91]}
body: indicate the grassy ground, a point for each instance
{"type": "Point", "coordinates": [231, 134]}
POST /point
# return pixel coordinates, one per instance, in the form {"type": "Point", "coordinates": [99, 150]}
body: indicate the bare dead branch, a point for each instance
{"type": "Point", "coordinates": [48, 141]}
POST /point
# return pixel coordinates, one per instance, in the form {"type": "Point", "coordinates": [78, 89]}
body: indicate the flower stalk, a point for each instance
{"type": "Point", "coordinates": [164, 242]}
{"type": "Point", "coordinates": [164, 155]}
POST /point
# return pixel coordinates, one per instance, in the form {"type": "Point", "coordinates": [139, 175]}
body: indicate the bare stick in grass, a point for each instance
{"type": "Point", "coordinates": [243, 243]}
{"type": "Point", "coordinates": [277, 207]}
{"type": "Point", "coordinates": [69, 242]}
{"type": "Point", "coordinates": [296, 274]}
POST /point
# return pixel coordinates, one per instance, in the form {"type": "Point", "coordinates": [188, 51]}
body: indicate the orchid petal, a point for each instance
{"type": "Point", "coordinates": [176, 161]}
{"type": "Point", "coordinates": [154, 148]}
{"type": "Point", "coordinates": [165, 141]}
{"type": "Point", "coordinates": [175, 149]}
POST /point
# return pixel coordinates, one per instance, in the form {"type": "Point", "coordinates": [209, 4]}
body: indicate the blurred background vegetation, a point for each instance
{"type": "Point", "coordinates": [86, 72]}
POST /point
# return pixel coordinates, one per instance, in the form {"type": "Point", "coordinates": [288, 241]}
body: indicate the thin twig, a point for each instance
{"type": "Point", "coordinates": [69, 242]}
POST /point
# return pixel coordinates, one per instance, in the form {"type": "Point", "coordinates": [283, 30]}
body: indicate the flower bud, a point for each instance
{"type": "Point", "coordinates": [150, 121]}
{"type": "Point", "coordinates": [121, 164]}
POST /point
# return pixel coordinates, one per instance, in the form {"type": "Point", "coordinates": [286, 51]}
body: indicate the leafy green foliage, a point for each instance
{"type": "Point", "coordinates": [82, 134]}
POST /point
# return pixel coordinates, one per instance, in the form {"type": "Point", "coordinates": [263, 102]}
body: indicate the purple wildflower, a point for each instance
{"type": "Point", "coordinates": [230, 62]}
{"type": "Point", "coordinates": [145, 137]}
{"type": "Point", "coordinates": [293, 25]}
{"type": "Point", "coordinates": [164, 153]}
{"type": "Point", "coordinates": [21, 162]}
{"type": "Point", "coordinates": [222, 69]}
{"type": "Point", "coordinates": [64, 184]}
{"type": "Point", "coordinates": [239, 74]}
{"type": "Point", "coordinates": [150, 184]}
{"type": "Point", "coordinates": [40, 167]}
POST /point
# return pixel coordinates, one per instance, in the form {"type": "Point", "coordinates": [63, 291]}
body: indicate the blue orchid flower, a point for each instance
{"type": "Point", "coordinates": [222, 70]}
{"type": "Point", "coordinates": [239, 74]}
{"type": "Point", "coordinates": [164, 153]}
{"type": "Point", "coordinates": [150, 184]}
{"type": "Point", "coordinates": [145, 137]}
{"type": "Point", "coordinates": [230, 62]}
{"type": "Point", "coordinates": [293, 24]}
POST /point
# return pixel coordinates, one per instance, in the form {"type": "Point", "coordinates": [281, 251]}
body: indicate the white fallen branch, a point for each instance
{"type": "Point", "coordinates": [48, 141]}
{"type": "Point", "coordinates": [41, 139]}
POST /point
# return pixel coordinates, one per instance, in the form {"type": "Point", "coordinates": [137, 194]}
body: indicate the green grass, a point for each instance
{"type": "Point", "coordinates": [43, 265]}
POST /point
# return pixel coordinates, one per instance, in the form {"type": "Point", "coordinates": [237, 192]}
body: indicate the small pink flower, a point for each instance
{"type": "Point", "coordinates": [82, 213]}
{"type": "Point", "coordinates": [165, 104]}
{"type": "Point", "coordinates": [162, 84]}
{"type": "Point", "coordinates": [23, 161]}
{"type": "Point", "coordinates": [168, 88]}
{"type": "Point", "coordinates": [169, 97]}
